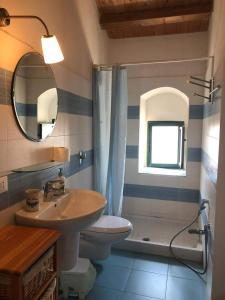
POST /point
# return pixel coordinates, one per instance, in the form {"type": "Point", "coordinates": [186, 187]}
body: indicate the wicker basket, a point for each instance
{"type": "Point", "coordinates": [5, 283]}
{"type": "Point", "coordinates": [50, 293]}
{"type": "Point", "coordinates": [39, 273]}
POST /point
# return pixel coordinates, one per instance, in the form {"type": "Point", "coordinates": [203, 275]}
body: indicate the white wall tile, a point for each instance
{"type": "Point", "coordinates": [191, 181]}
{"type": "Point", "coordinates": [70, 81]}
{"type": "Point", "coordinates": [81, 180]}
{"type": "Point", "coordinates": [76, 124]}
{"type": "Point", "coordinates": [194, 132]}
{"type": "Point", "coordinates": [7, 216]}
{"type": "Point", "coordinates": [208, 192]}
{"type": "Point", "coordinates": [22, 153]}
{"type": "Point", "coordinates": [78, 142]}
{"type": "Point", "coordinates": [159, 208]}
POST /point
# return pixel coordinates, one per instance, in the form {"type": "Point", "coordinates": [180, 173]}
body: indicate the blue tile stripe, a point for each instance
{"type": "Point", "coordinates": [133, 112]}
{"type": "Point", "coordinates": [132, 151]}
{"type": "Point", "coordinates": [161, 193]}
{"type": "Point", "coordinates": [195, 111]}
{"type": "Point", "coordinates": [26, 110]}
{"type": "Point", "coordinates": [74, 167]}
{"type": "Point", "coordinates": [5, 86]}
{"type": "Point", "coordinates": [19, 182]}
{"type": "Point", "coordinates": [3, 201]}
{"type": "Point", "coordinates": [209, 166]}
{"type": "Point", "coordinates": [73, 104]}
{"type": "Point", "coordinates": [194, 154]}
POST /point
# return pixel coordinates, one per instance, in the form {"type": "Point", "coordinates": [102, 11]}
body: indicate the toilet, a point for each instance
{"type": "Point", "coordinates": [96, 240]}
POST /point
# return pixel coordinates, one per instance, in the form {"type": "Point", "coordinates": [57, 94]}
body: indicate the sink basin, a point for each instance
{"type": "Point", "coordinates": [73, 211]}
{"type": "Point", "coordinates": [70, 214]}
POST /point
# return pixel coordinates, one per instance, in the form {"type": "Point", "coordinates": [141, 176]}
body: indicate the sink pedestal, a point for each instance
{"type": "Point", "coordinates": [68, 250]}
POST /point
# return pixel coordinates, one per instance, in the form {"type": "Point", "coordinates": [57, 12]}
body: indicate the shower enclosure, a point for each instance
{"type": "Point", "coordinates": [160, 200]}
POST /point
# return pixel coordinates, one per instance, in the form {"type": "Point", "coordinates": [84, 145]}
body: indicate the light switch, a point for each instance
{"type": "Point", "coordinates": [3, 184]}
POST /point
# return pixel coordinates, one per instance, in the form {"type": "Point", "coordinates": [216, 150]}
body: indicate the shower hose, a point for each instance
{"type": "Point", "coordinates": [205, 232]}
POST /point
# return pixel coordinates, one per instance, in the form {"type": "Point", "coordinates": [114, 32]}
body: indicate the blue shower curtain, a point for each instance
{"type": "Point", "coordinates": [110, 127]}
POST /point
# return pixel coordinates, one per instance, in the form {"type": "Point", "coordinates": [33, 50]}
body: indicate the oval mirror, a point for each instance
{"type": "Point", "coordinates": [35, 98]}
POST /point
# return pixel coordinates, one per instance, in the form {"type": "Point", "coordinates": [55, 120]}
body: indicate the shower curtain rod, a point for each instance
{"type": "Point", "coordinates": [153, 62]}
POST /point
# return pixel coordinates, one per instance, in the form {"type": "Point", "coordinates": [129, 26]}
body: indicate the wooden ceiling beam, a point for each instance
{"type": "Point", "coordinates": [157, 16]}
{"type": "Point", "coordinates": [158, 21]}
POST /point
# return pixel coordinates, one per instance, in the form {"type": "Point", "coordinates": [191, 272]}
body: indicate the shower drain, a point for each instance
{"type": "Point", "coordinates": [146, 239]}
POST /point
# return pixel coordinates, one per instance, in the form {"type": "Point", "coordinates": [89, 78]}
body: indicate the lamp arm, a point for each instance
{"type": "Point", "coordinates": [5, 19]}
{"type": "Point", "coordinates": [30, 17]}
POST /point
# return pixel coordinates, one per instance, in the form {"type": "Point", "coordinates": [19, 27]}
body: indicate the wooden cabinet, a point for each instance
{"type": "Point", "coordinates": [28, 263]}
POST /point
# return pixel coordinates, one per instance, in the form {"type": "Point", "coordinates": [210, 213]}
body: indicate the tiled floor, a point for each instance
{"type": "Point", "coordinates": [129, 276]}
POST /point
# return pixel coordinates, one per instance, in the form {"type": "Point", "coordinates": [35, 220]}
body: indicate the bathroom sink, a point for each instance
{"type": "Point", "coordinates": [70, 213]}
{"type": "Point", "coordinates": [74, 211]}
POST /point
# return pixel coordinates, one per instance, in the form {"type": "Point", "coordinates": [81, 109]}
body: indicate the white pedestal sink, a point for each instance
{"type": "Point", "coordinates": [70, 214]}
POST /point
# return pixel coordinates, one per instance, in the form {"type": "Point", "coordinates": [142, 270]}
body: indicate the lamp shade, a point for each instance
{"type": "Point", "coordinates": [51, 49]}
{"type": "Point", "coordinates": [60, 154]}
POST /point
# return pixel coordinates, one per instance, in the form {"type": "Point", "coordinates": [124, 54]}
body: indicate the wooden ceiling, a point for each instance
{"type": "Point", "coordinates": [135, 18]}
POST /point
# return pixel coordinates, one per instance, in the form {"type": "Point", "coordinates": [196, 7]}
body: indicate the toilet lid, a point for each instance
{"type": "Point", "coordinates": [111, 224]}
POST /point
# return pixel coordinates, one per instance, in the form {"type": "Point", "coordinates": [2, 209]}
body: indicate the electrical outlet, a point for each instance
{"type": "Point", "coordinates": [3, 184]}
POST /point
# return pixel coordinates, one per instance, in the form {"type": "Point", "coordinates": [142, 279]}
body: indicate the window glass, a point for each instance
{"type": "Point", "coordinates": [166, 142]}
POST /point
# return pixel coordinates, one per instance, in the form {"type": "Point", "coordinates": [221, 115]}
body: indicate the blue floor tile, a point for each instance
{"type": "Point", "coordinates": [151, 264]}
{"type": "Point", "coordinates": [178, 270]}
{"type": "Point", "coordinates": [184, 289]}
{"type": "Point", "coordinates": [119, 258]}
{"type": "Point", "coordinates": [147, 284]}
{"type": "Point", "coordinates": [113, 277]}
{"type": "Point", "coordinates": [129, 296]}
{"type": "Point", "coordinates": [135, 276]}
{"type": "Point", "coordinates": [101, 293]}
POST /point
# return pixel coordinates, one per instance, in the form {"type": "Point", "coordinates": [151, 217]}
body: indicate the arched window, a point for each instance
{"type": "Point", "coordinates": [164, 114]}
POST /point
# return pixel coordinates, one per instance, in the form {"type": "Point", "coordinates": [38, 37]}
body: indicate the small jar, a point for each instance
{"type": "Point", "coordinates": [33, 197]}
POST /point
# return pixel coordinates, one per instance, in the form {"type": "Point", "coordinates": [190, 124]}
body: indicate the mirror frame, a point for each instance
{"type": "Point", "coordinates": [14, 100]}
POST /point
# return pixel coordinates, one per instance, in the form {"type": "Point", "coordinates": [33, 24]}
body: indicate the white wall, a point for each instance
{"type": "Point", "coordinates": [167, 106]}
{"type": "Point", "coordinates": [96, 38]}
{"type": "Point", "coordinates": [175, 46]}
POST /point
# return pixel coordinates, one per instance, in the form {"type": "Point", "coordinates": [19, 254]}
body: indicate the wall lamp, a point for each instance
{"type": "Point", "coordinates": [50, 46]}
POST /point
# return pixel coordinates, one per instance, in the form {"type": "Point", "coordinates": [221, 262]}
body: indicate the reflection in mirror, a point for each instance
{"type": "Point", "coordinates": [35, 97]}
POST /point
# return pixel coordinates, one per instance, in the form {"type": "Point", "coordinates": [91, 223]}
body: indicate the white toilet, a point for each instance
{"type": "Point", "coordinates": [96, 241]}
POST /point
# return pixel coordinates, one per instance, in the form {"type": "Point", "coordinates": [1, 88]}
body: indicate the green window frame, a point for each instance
{"type": "Point", "coordinates": [180, 144]}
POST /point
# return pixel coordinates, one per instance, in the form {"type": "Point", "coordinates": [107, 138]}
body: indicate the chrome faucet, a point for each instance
{"type": "Point", "coordinates": [53, 189]}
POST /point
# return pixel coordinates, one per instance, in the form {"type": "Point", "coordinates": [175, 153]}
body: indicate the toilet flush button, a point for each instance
{"type": "Point", "coordinates": [3, 184]}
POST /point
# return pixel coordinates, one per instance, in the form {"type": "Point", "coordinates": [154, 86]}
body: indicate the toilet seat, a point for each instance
{"type": "Point", "coordinates": [110, 224]}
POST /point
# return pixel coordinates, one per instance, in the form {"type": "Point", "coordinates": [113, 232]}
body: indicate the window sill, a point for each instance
{"type": "Point", "coordinates": [160, 171]}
